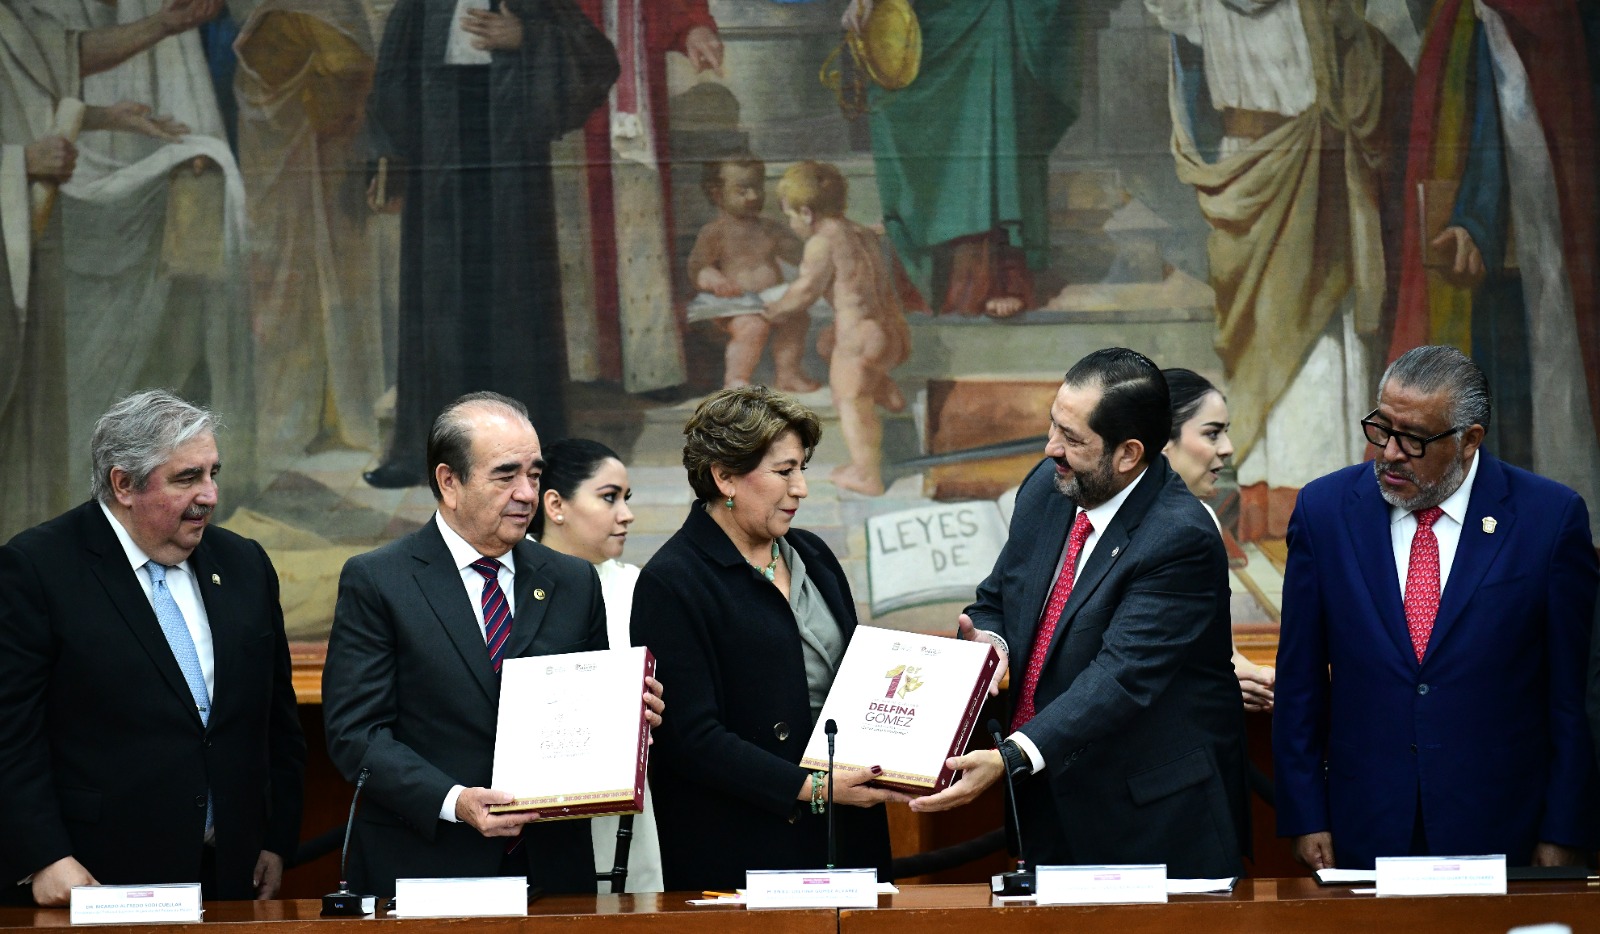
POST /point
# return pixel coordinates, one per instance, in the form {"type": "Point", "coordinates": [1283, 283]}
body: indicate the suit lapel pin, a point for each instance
{"type": "Point", "coordinates": [538, 593]}
{"type": "Point", "coordinates": [216, 579]}
{"type": "Point", "coordinates": [1116, 551]}
{"type": "Point", "coordinates": [1488, 525]}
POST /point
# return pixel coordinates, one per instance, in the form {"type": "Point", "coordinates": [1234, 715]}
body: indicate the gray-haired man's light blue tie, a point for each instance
{"type": "Point", "coordinates": [177, 633]}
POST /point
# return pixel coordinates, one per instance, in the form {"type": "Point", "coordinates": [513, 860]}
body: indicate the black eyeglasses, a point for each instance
{"type": "Point", "coordinates": [1378, 435]}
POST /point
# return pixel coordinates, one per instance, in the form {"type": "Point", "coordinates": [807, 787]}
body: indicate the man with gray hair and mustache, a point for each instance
{"type": "Point", "coordinates": [148, 730]}
{"type": "Point", "coordinates": [1437, 607]}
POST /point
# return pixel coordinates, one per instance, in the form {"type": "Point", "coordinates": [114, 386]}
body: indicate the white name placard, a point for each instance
{"type": "Point", "coordinates": [1100, 885]}
{"type": "Point", "coordinates": [461, 898]}
{"type": "Point", "coordinates": [1441, 875]}
{"type": "Point", "coordinates": [811, 888]}
{"type": "Point", "coordinates": [134, 904]}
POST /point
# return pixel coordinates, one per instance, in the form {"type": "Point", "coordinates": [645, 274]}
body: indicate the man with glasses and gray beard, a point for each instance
{"type": "Point", "coordinates": [1437, 606]}
{"type": "Point", "coordinates": [148, 730]}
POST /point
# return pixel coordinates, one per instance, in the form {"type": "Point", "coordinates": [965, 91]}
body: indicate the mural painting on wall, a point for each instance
{"type": "Point", "coordinates": [326, 218]}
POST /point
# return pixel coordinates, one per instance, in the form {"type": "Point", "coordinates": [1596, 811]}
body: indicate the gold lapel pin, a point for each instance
{"type": "Point", "coordinates": [216, 579]}
{"type": "Point", "coordinates": [1488, 525]}
{"type": "Point", "coordinates": [538, 593]}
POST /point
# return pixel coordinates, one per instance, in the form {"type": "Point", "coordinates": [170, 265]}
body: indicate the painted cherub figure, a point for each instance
{"type": "Point", "coordinates": [738, 253]}
{"type": "Point", "coordinates": [846, 263]}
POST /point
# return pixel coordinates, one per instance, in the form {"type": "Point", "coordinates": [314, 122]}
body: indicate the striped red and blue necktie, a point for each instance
{"type": "Point", "coordinates": [496, 630]}
{"type": "Point", "coordinates": [496, 611]}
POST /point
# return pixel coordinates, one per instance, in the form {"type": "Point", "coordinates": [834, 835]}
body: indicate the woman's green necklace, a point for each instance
{"type": "Point", "coordinates": [770, 572]}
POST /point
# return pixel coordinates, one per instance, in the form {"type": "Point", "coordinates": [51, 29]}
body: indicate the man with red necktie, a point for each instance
{"type": "Point", "coordinates": [1110, 603]}
{"type": "Point", "coordinates": [1430, 694]}
{"type": "Point", "coordinates": [411, 685]}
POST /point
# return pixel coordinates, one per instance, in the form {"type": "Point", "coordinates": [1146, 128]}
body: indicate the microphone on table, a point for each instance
{"type": "Point", "coordinates": [345, 902]}
{"type": "Point", "coordinates": [832, 729]}
{"type": "Point", "coordinates": [1021, 880]}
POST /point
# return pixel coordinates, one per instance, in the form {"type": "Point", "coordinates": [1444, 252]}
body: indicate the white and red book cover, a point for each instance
{"type": "Point", "coordinates": [572, 738]}
{"type": "Point", "coordinates": [904, 702]}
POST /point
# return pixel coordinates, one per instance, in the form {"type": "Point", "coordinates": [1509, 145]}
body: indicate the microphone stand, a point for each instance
{"type": "Point", "coordinates": [1021, 880]}
{"type": "Point", "coordinates": [832, 729]}
{"type": "Point", "coordinates": [345, 903]}
{"type": "Point", "coordinates": [618, 876]}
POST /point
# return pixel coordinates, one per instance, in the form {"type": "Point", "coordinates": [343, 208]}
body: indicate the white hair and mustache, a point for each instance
{"type": "Point", "coordinates": [139, 433]}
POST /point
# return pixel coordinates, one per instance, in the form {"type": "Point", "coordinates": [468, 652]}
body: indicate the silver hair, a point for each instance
{"type": "Point", "coordinates": [139, 433]}
{"type": "Point", "coordinates": [450, 438]}
{"type": "Point", "coordinates": [1432, 368]}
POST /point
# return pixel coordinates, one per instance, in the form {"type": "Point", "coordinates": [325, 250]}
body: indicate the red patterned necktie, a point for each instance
{"type": "Point", "coordinates": [1422, 580]}
{"type": "Point", "coordinates": [1059, 594]}
{"type": "Point", "coordinates": [496, 611]}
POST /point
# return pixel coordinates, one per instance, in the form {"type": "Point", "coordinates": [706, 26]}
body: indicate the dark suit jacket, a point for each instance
{"type": "Point", "coordinates": [1139, 720]}
{"type": "Point", "coordinates": [408, 692]}
{"type": "Point", "coordinates": [102, 754]}
{"type": "Point", "coordinates": [725, 766]}
{"type": "Point", "coordinates": [1488, 732]}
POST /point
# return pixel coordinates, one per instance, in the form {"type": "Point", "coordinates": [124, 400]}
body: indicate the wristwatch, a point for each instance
{"type": "Point", "coordinates": [1016, 761]}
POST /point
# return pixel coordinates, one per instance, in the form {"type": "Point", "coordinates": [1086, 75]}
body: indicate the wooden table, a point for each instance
{"type": "Point", "coordinates": [601, 914]}
{"type": "Point", "coordinates": [1256, 906]}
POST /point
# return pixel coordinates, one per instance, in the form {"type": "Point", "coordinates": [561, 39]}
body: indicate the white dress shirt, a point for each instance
{"type": "Point", "coordinates": [463, 555]}
{"type": "Point", "coordinates": [1447, 529]}
{"type": "Point", "coordinates": [617, 581]}
{"type": "Point", "coordinates": [1100, 518]}
{"type": "Point", "coordinates": [616, 589]}
{"type": "Point", "coordinates": [185, 592]}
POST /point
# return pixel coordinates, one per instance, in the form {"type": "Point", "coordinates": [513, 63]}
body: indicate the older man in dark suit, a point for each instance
{"type": "Point", "coordinates": [148, 730]}
{"type": "Point", "coordinates": [1111, 601]}
{"type": "Point", "coordinates": [411, 686]}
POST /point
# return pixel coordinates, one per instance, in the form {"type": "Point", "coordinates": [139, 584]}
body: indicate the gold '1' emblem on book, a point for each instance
{"type": "Point", "coordinates": [902, 680]}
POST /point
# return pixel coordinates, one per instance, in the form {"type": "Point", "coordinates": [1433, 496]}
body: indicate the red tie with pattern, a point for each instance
{"type": "Point", "coordinates": [496, 611]}
{"type": "Point", "coordinates": [1059, 594]}
{"type": "Point", "coordinates": [1422, 580]}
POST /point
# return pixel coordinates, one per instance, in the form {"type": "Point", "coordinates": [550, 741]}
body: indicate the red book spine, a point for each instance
{"type": "Point", "coordinates": [969, 719]}
{"type": "Point", "coordinates": [613, 806]}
